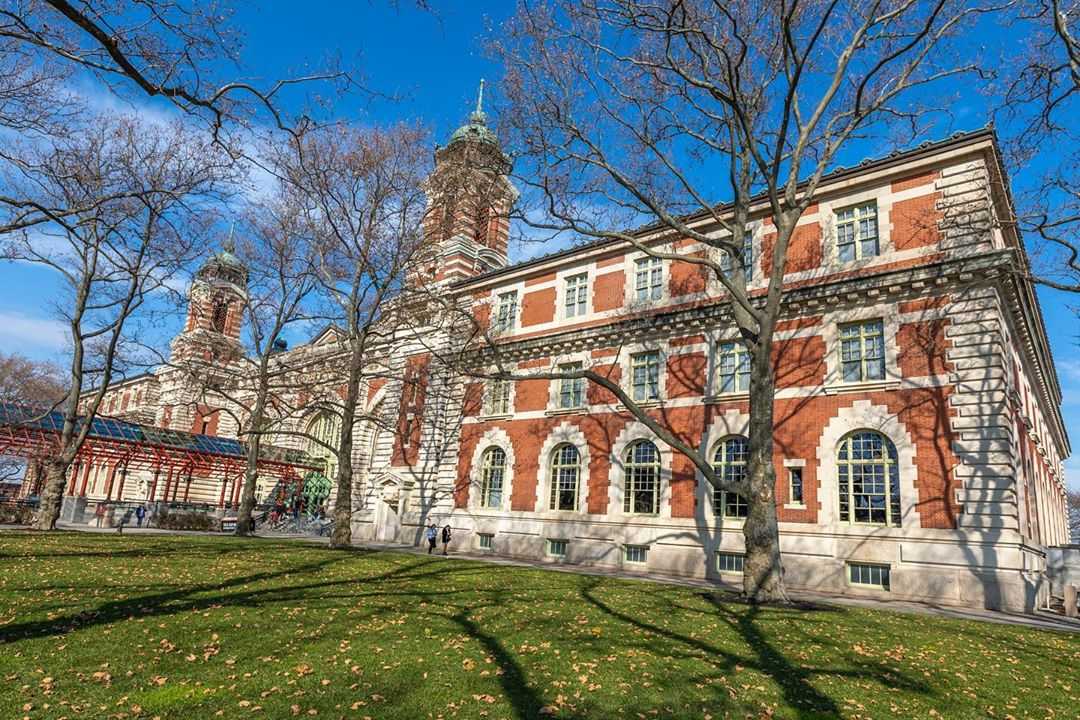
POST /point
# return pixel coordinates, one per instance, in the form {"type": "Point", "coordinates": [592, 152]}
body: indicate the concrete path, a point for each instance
{"type": "Point", "coordinates": [1042, 620]}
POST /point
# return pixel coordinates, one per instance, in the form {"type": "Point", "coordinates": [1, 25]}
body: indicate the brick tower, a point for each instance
{"type": "Point", "coordinates": [466, 226]}
{"type": "Point", "coordinates": [215, 310]}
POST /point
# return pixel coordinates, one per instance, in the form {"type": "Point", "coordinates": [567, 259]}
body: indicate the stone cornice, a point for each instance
{"type": "Point", "coordinates": [800, 301]}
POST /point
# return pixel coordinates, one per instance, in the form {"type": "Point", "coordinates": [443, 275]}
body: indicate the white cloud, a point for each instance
{"type": "Point", "coordinates": [31, 335]}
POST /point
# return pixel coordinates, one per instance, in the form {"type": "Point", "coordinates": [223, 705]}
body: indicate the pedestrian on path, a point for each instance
{"type": "Point", "coordinates": [445, 538]}
{"type": "Point", "coordinates": [432, 537]}
{"type": "Point", "coordinates": [140, 513]}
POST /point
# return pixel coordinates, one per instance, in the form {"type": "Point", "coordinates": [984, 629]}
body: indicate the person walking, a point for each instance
{"type": "Point", "coordinates": [140, 513]}
{"type": "Point", "coordinates": [445, 538]}
{"type": "Point", "coordinates": [432, 537]}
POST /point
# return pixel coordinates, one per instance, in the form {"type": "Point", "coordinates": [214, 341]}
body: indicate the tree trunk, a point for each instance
{"type": "Point", "coordinates": [763, 575]}
{"type": "Point", "coordinates": [342, 535]}
{"type": "Point", "coordinates": [245, 522]}
{"type": "Point", "coordinates": [52, 496]}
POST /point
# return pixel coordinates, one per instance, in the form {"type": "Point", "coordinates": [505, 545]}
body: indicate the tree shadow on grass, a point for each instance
{"type": "Point", "coordinates": [793, 680]}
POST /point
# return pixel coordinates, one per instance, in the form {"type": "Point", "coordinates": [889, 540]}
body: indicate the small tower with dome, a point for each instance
{"type": "Point", "coordinates": [469, 196]}
{"type": "Point", "coordinates": [215, 312]}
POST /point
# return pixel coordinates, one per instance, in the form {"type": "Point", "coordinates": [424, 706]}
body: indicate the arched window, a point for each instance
{"type": "Point", "coordinates": [220, 314]}
{"type": "Point", "coordinates": [868, 479]}
{"type": "Point", "coordinates": [642, 481]}
{"type": "Point", "coordinates": [492, 473]}
{"type": "Point", "coordinates": [729, 462]}
{"type": "Point", "coordinates": [565, 471]}
{"type": "Point", "coordinates": [324, 430]}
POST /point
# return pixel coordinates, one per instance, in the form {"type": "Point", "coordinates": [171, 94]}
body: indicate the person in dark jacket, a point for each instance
{"type": "Point", "coordinates": [445, 538]}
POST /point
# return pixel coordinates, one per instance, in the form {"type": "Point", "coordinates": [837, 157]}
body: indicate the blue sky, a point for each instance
{"type": "Point", "coordinates": [432, 63]}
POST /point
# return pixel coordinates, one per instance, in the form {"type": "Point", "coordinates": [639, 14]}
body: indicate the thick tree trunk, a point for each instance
{"type": "Point", "coordinates": [763, 574]}
{"type": "Point", "coordinates": [342, 535]}
{"type": "Point", "coordinates": [245, 522]}
{"type": "Point", "coordinates": [52, 496]}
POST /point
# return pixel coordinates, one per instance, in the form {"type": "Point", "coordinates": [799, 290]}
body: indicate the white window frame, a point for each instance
{"type": "Point", "coordinates": [893, 497]}
{"type": "Point", "coordinates": [867, 572]}
{"type": "Point", "coordinates": [575, 295]}
{"type": "Point", "coordinates": [556, 464]}
{"type": "Point", "coordinates": [721, 500]}
{"type": "Point", "coordinates": [485, 541]}
{"type": "Point", "coordinates": [630, 467]}
{"type": "Point", "coordinates": [863, 336]}
{"type": "Point", "coordinates": [499, 397]}
{"type": "Point", "coordinates": [648, 279]}
{"type": "Point", "coordinates": [487, 468]}
{"type": "Point", "coordinates": [727, 265]}
{"type": "Point", "coordinates": [576, 387]}
{"type": "Point", "coordinates": [735, 564]}
{"type": "Point", "coordinates": [659, 381]}
{"type": "Point", "coordinates": [860, 212]}
{"type": "Point", "coordinates": [640, 554]}
{"type": "Point", "coordinates": [556, 543]}
{"type": "Point", "coordinates": [740, 358]}
{"type": "Point", "coordinates": [506, 310]}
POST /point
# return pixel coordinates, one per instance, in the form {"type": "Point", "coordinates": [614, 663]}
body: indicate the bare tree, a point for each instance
{"type": "Point", "coordinates": [1038, 98]}
{"type": "Point", "coordinates": [626, 112]}
{"type": "Point", "coordinates": [161, 182]}
{"type": "Point", "coordinates": [1072, 501]}
{"type": "Point", "coordinates": [363, 199]}
{"type": "Point", "coordinates": [26, 383]}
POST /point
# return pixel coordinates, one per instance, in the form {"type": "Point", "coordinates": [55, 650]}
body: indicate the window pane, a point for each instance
{"type": "Point", "coordinates": [868, 480]}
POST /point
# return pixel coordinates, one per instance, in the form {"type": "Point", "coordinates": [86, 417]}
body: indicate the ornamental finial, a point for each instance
{"type": "Point", "coordinates": [480, 99]}
{"type": "Point", "coordinates": [229, 245]}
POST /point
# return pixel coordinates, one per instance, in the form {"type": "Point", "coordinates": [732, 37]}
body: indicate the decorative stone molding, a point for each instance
{"type": "Point", "coordinates": [617, 475]}
{"type": "Point", "coordinates": [864, 415]}
{"type": "Point", "coordinates": [565, 433]}
{"type": "Point", "coordinates": [495, 437]}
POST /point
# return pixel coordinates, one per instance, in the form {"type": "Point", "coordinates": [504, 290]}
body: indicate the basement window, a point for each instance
{"type": "Point", "coordinates": [730, 562]}
{"type": "Point", "coordinates": [487, 541]}
{"type": "Point", "coordinates": [636, 554]}
{"type": "Point", "coordinates": [875, 576]}
{"type": "Point", "coordinates": [557, 548]}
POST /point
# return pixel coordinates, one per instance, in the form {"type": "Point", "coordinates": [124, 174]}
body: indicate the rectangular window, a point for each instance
{"type": "Point", "coordinates": [648, 278]}
{"type": "Point", "coordinates": [487, 541]}
{"type": "Point", "coordinates": [857, 232]}
{"type": "Point", "coordinates": [645, 376]}
{"type": "Point", "coordinates": [729, 562]}
{"type": "Point", "coordinates": [506, 311]}
{"type": "Point", "coordinates": [499, 397]}
{"type": "Point", "coordinates": [556, 548]}
{"type": "Point", "coordinates": [862, 351]}
{"type": "Point", "coordinates": [636, 553]}
{"type": "Point", "coordinates": [571, 390]}
{"type": "Point", "coordinates": [795, 482]}
{"type": "Point", "coordinates": [577, 294]}
{"type": "Point", "coordinates": [734, 504]}
{"type": "Point", "coordinates": [733, 364]}
{"type": "Point", "coordinates": [747, 258]}
{"type": "Point", "coordinates": [870, 575]}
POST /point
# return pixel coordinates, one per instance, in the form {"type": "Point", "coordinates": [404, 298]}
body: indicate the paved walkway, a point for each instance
{"type": "Point", "coordinates": [1042, 620]}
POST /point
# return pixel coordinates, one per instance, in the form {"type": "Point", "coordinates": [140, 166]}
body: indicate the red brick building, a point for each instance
{"type": "Point", "coordinates": [919, 441]}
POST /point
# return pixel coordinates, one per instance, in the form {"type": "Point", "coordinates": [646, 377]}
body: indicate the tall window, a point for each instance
{"type": "Point", "coordinates": [862, 351]}
{"type": "Point", "coordinates": [499, 397]}
{"type": "Point", "coordinates": [649, 278]}
{"type": "Point", "coordinates": [492, 473]}
{"type": "Point", "coordinates": [747, 258]}
{"type": "Point", "coordinates": [506, 311]}
{"type": "Point", "coordinates": [577, 293]}
{"type": "Point", "coordinates": [571, 390]}
{"type": "Point", "coordinates": [795, 483]}
{"type": "Point", "coordinates": [324, 433]}
{"type": "Point", "coordinates": [645, 376]}
{"type": "Point", "coordinates": [729, 462]}
{"type": "Point", "coordinates": [869, 479]}
{"type": "Point", "coordinates": [642, 479]}
{"type": "Point", "coordinates": [565, 471]}
{"type": "Point", "coordinates": [857, 232]}
{"type": "Point", "coordinates": [733, 364]}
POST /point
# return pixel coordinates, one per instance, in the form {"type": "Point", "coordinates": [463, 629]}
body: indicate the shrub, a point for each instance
{"type": "Point", "coordinates": [16, 514]}
{"type": "Point", "coordinates": [187, 521]}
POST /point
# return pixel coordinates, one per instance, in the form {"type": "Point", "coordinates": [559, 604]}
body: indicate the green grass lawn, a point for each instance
{"type": "Point", "coordinates": [192, 627]}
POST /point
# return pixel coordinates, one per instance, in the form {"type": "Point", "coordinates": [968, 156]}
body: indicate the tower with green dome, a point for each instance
{"type": "Point", "coordinates": [469, 197]}
{"type": "Point", "coordinates": [215, 312]}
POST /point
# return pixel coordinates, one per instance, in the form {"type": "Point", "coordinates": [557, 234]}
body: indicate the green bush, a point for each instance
{"type": "Point", "coordinates": [11, 514]}
{"type": "Point", "coordinates": [187, 521]}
